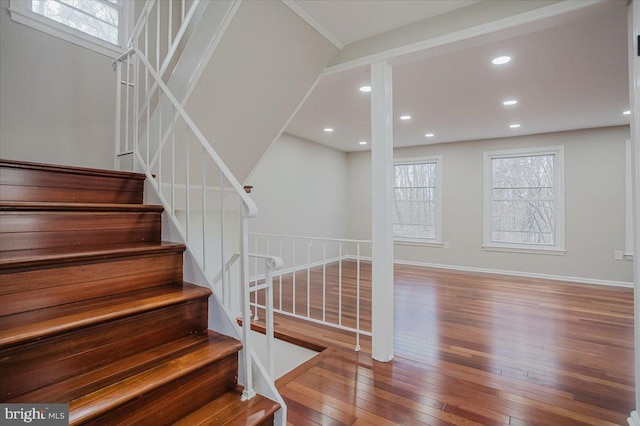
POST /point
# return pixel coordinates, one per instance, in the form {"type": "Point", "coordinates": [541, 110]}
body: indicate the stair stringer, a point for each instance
{"type": "Point", "coordinates": [220, 319]}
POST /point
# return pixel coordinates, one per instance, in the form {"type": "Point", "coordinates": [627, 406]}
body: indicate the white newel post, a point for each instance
{"type": "Point", "coordinates": [245, 353]}
{"type": "Point", "coordinates": [381, 211]}
{"type": "Point", "coordinates": [634, 101]}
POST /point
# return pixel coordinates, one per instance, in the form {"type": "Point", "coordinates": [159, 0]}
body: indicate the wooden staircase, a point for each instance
{"type": "Point", "coordinates": [94, 312]}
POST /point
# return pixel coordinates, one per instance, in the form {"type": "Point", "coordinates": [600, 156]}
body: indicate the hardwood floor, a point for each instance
{"type": "Point", "coordinates": [470, 349]}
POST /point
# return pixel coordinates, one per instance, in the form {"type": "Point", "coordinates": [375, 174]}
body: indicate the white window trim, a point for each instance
{"type": "Point", "coordinates": [416, 242]}
{"type": "Point", "coordinates": [426, 242]}
{"type": "Point", "coordinates": [558, 176]}
{"type": "Point", "coordinates": [21, 14]}
{"type": "Point", "coordinates": [628, 228]}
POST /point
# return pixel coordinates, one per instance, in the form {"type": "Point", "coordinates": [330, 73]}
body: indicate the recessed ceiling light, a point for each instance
{"type": "Point", "coordinates": [510, 102]}
{"type": "Point", "coordinates": [627, 112]}
{"type": "Point", "coordinates": [405, 117]}
{"type": "Point", "coordinates": [429, 135]}
{"type": "Point", "coordinates": [501, 60]}
{"type": "Point", "coordinates": [363, 142]}
{"type": "Point", "coordinates": [365, 89]}
{"type": "Point", "coordinates": [514, 126]}
{"type": "Point", "coordinates": [328, 129]}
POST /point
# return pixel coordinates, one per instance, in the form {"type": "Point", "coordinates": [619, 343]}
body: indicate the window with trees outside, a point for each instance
{"type": "Point", "coordinates": [524, 199]}
{"type": "Point", "coordinates": [417, 213]}
{"type": "Point", "coordinates": [90, 23]}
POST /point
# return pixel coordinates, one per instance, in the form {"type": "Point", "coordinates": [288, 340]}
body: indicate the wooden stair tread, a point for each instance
{"type": "Point", "coordinates": [76, 387]}
{"type": "Point", "coordinates": [106, 398]}
{"type": "Point", "coordinates": [290, 335]}
{"type": "Point", "coordinates": [65, 255]}
{"type": "Point", "coordinates": [97, 314]}
{"type": "Point", "coordinates": [31, 325]}
{"type": "Point", "coordinates": [71, 169]}
{"type": "Point", "coordinates": [19, 206]}
{"type": "Point", "coordinates": [229, 409]}
{"type": "Point", "coordinates": [22, 181]}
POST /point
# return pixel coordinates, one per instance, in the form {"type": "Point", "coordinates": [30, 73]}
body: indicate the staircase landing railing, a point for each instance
{"type": "Point", "coordinates": [320, 281]}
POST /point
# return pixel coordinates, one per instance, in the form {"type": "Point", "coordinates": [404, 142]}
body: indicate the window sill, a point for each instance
{"type": "Point", "coordinates": [418, 243]}
{"type": "Point", "coordinates": [527, 250]}
{"type": "Point", "coordinates": [41, 24]}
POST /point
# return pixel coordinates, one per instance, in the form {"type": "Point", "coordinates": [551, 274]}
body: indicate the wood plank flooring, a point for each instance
{"type": "Point", "coordinates": [469, 349]}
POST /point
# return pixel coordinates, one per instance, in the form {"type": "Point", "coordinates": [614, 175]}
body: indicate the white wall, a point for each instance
{"type": "Point", "coordinates": [299, 188]}
{"type": "Point", "coordinates": [264, 65]}
{"type": "Point", "coordinates": [57, 100]}
{"type": "Point", "coordinates": [287, 356]}
{"type": "Point", "coordinates": [595, 205]}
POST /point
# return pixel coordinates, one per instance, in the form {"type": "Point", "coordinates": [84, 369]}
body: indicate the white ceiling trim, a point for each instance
{"type": "Point", "coordinates": [501, 24]}
{"type": "Point", "coordinates": [315, 24]}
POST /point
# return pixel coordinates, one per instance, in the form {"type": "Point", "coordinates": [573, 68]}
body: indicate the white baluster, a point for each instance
{"type": "Point", "coordinates": [158, 36]}
{"type": "Point", "coordinates": [170, 32]}
{"type": "Point", "coordinates": [294, 275]}
{"type": "Point", "coordinates": [280, 280]}
{"type": "Point", "coordinates": [248, 392]}
{"type": "Point", "coordinates": [204, 212]}
{"type": "Point", "coordinates": [309, 244]}
{"type": "Point", "coordinates": [269, 316]}
{"type": "Point", "coordinates": [225, 280]}
{"type": "Point", "coordinates": [126, 113]}
{"type": "Point", "coordinates": [159, 142]}
{"type": "Point", "coordinates": [187, 188]}
{"type": "Point", "coordinates": [118, 111]}
{"type": "Point", "coordinates": [340, 283]}
{"type": "Point", "coordinates": [358, 297]}
{"type": "Point", "coordinates": [324, 281]}
{"type": "Point", "coordinates": [173, 161]}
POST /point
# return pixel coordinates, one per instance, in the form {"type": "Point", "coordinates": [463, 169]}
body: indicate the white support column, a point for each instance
{"type": "Point", "coordinates": [634, 105]}
{"type": "Point", "coordinates": [381, 211]}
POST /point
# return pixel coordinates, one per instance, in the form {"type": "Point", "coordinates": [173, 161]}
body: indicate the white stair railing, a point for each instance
{"type": "Point", "coordinates": [225, 276]}
{"type": "Point", "coordinates": [202, 198]}
{"type": "Point", "coordinates": [158, 33]}
{"type": "Point", "coordinates": [270, 264]}
{"type": "Point", "coordinates": [160, 29]}
{"type": "Point", "coordinates": [313, 277]}
{"type": "Point", "coordinates": [182, 176]}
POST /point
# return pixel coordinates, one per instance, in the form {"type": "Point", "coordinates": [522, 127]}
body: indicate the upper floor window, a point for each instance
{"type": "Point", "coordinates": [98, 24]}
{"type": "Point", "coordinates": [97, 18]}
{"type": "Point", "coordinates": [417, 200]}
{"type": "Point", "coordinates": [524, 199]}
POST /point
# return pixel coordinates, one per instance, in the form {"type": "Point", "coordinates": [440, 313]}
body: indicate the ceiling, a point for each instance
{"type": "Point", "coordinates": [565, 77]}
{"type": "Point", "coordinates": [352, 20]}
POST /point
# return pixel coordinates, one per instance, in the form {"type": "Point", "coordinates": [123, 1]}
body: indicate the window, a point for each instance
{"type": "Point", "coordinates": [97, 24]}
{"type": "Point", "coordinates": [524, 200]}
{"type": "Point", "coordinates": [417, 200]}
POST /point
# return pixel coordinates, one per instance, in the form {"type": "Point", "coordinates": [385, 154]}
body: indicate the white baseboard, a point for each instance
{"type": "Point", "coordinates": [634, 419]}
{"type": "Point", "coordinates": [563, 278]}
{"type": "Point", "coordinates": [580, 280]}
